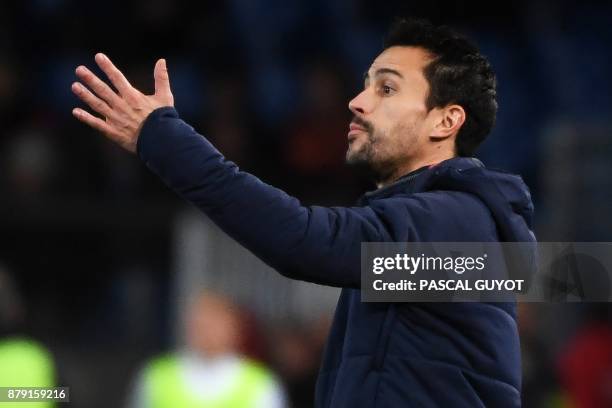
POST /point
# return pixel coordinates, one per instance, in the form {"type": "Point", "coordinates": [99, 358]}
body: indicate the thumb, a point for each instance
{"type": "Point", "coordinates": [162, 81]}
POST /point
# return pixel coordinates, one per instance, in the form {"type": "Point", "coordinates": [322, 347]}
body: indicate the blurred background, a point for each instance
{"type": "Point", "coordinates": [100, 263]}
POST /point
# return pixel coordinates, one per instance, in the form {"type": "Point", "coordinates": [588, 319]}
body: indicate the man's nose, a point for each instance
{"type": "Point", "coordinates": [360, 105]}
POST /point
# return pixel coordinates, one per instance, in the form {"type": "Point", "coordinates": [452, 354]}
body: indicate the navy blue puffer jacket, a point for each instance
{"type": "Point", "coordinates": [387, 355]}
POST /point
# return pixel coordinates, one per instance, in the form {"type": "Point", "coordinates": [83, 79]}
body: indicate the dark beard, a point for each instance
{"type": "Point", "coordinates": [364, 156]}
{"type": "Point", "coordinates": [365, 163]}
{"type": "Point", "coordinates": [360, 162]}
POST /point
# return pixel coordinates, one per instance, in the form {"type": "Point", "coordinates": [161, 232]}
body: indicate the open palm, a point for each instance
{"type": "Point", "coordinates": [124, 111]}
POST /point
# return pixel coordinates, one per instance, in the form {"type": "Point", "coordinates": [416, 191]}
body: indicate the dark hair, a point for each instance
{"type": "Point", "coordinates": [457, 74]}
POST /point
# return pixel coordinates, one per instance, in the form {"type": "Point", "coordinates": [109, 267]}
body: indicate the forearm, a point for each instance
{"type": "Point", "coordinates": [310, 243]}
{"type": "Point", "coordinates": [294, 239]}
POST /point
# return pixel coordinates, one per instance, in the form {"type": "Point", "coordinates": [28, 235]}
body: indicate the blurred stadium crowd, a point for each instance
{"type": "Point", "coordinates": [91, 239]}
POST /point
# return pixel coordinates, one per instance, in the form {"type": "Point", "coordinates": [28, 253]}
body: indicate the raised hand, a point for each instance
{"type": "Point", "coordinates": [124, 111]}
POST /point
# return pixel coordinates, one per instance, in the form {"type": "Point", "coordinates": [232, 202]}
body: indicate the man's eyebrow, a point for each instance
{"type": "Point", "coordinates": [382, 71]}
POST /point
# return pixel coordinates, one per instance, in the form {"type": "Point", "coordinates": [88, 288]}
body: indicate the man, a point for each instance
{"type": "Point", "coordinates": [209, 372]}
{"type": "Point", "coordinates": [427, 103]}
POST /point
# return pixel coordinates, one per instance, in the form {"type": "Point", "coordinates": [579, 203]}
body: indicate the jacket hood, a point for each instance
{"type": "Point", "coordinates": [505, 194]}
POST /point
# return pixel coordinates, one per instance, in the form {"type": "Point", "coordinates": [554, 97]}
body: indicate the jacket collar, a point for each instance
{"type": "Point", "coordinates": [416, 180]}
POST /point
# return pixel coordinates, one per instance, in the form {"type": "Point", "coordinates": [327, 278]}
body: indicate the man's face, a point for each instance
{"type": "Point", "coordinates": [390, 124]}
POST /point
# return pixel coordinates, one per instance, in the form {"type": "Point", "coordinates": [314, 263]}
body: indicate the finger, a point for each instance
{"type": "Point", "coordinates": [114, 75]}
{"type": "Point", "coordinates": [162, 81]}
{"type": "Point", "coordinates": [101, 89]}
{"type": "Point", "coordinates": [92, 100]}
{"type": "Point", "coordinates": [94, 122]}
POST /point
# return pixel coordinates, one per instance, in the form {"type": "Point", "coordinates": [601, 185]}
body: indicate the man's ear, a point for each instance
{"type": "Point", "coordinates": [448, 121]}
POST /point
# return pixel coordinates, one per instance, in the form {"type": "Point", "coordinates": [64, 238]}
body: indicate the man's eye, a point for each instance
{"type": "Point", "coordinates": [386, 89]}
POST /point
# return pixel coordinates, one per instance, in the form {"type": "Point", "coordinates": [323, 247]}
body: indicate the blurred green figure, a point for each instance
{"type": "Point", "coordinates": [209, 372]}
{"type": "Point", "coordinates": [23, 362]}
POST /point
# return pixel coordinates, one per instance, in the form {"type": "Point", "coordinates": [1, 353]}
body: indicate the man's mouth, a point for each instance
{"type": "Point", "coordinates": [354, 130]}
